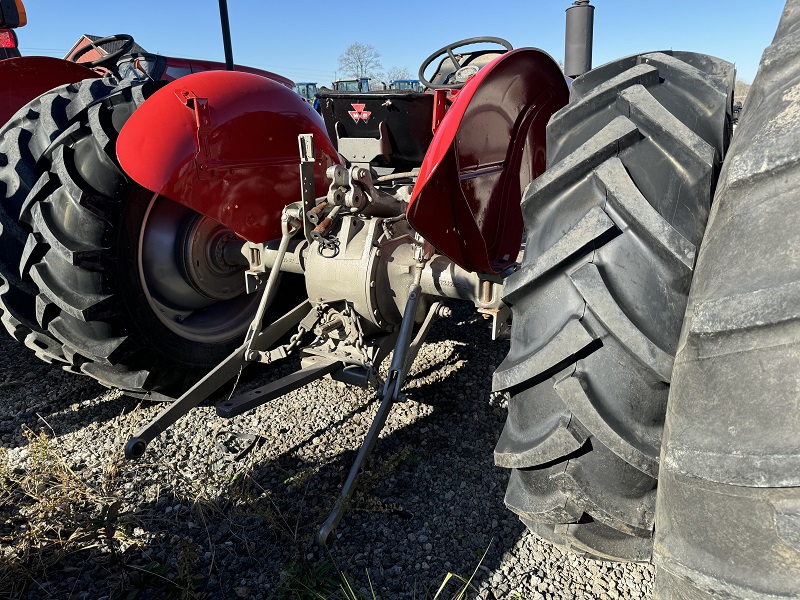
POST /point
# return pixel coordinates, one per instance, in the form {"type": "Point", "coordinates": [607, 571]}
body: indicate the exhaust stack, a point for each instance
{"type": "Point", "coordinates": [578, 39]}
{"type": "Point", "coordinates": [226, 34]}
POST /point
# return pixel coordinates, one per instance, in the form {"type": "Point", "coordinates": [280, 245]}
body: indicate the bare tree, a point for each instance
{"type": "Point", "coordinates": [378, 81]}
{"type": "Point", "coordinates": [740, 91]}
{"type": "Point", "coordinates": [360, 60]}
{"type": "Point", "coordinates": [398, 73]}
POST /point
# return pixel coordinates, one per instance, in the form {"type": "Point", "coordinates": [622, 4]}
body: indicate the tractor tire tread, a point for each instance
{"type": "Point", "coordinates": [68, 264]}
{"type": "Point", "coordinates": [728, 503]}
{"type": "Point", "coordinates": [592, 347]}
{"type": "Point", "coordinates": [24, 142]}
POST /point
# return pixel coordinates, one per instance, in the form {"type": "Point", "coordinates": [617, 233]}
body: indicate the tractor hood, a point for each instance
{"type": "Point", "coordinates": [225, 144]}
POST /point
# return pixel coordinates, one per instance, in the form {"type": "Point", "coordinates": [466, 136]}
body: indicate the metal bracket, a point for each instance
{"type": "Point", "coordinates": [364, 150]}
{"type": "Point", "coordinates": [307, 186]}
{"type": "Point", "coordinates": [202, 117]}
{"type": "Point", "coordinates": [501, 320]}
{"type": "Point", "coordinates": [236, 445]}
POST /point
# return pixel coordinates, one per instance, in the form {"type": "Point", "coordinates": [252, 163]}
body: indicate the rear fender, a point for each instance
{"type": "Point", "coordinates": [224, 143]}
{"type": "Point", "coordinates": [489, 146]}
{"type": "Point", "coordinates": [28, 77]}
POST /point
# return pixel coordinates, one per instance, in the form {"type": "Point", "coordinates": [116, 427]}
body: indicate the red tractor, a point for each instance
{"type": "Point", "coordinates": [159, 236]}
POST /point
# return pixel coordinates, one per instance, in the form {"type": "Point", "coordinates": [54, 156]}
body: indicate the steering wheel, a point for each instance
{"type": "Point", "coordinates": [109, 58]}
{"type": "Point", "coordinates": [448, 50]}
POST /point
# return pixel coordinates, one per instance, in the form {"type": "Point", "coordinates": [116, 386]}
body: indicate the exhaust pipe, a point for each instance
{"type": "Point", "coordinates": [226, 34]}
{"type": "Point", "coordinates": [578, 39]}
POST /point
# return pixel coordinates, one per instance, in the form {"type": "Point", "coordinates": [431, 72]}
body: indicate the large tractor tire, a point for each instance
{"type": "Point", "coordinates": [134, 289]}
{"type": "Point", "coordinates": [728, 509]}
{"type": "Point", "coordinates": [23, 141]}
{"type": "Point", "coordinates": [612, 228]}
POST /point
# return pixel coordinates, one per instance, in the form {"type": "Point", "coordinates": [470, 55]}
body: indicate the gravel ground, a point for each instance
{"type": "Point", "coordinates": [189, 520]}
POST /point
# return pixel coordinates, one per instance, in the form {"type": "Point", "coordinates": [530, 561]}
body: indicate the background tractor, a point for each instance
{"type": "Point", "coordinates": [351, 85]}
{"type": "Point", "coordinates": [160, 235]}
{"type": "Point", "coordinates": [412, 85]}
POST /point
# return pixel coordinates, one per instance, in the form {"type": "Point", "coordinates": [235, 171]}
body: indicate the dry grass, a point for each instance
{"type": "Point", "coordinates": [48, 513]}
{"type": "Point", "coordinates": [52, 517]}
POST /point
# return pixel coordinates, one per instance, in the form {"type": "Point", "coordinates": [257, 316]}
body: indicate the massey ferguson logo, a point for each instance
{"type": "Point", "coordinates": [359, 112]}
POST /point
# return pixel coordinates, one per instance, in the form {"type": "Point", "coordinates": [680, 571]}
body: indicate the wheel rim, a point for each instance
{"type": "Point", "coordinates": [187, 283]}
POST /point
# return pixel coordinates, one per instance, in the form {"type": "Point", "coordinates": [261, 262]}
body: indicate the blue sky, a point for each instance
{"type": "Point", "coordinates": [302, 40]}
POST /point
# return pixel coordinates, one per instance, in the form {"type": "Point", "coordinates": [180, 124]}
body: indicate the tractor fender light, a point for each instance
{"type": "Point", "coordinates": [8, 39]}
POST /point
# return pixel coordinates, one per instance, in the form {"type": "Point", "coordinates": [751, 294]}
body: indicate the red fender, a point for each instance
{"type": "Point", "coordinates": [224, 143]}
{"type": "Point", "coordinates": [28, 77]}
{"type": "Point", "coordinates": [489, 146]}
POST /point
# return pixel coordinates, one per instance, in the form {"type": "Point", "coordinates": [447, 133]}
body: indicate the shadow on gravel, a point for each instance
{"type": "Point", "coordinates": [37, 394]}
{"type": "Point", "coordinates": [190, 521]}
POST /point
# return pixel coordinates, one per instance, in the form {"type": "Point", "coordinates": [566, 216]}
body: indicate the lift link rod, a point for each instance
{"type": "Point", "coordinates": [289, 226]}
{"type": "Point", "coordinates": [391, 391]}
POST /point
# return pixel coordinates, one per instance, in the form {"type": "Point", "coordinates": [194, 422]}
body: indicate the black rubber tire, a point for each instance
{"type": "Point", "coordinates": [85, 218]}
{"type": "Point", "coordinates": [23, 141]}
{"type": "Point", "coordinates": [728, 508]}
{"type": "Point", "coordinates": [611, 228]}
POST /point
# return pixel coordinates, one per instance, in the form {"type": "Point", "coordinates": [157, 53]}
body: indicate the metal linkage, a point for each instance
{"type": "Point", "coordinates": [405, 350]}
{"type": "Point", "coordinates": [256, 340]}
{"type": "Point", "coordinates": [286, 350]}
{"type": "Point", "coordinates": [318, 368]}
{"type": "Point", "coordinates": [219, 376]}
{"type": "Point", "coordinates": [322, 321]}
{"type": "Point", "coordinates": [289, 226]}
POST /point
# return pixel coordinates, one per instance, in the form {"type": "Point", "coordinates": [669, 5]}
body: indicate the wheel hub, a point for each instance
{"type": "Point", "coordinates": [204, 265]}
{"type": "Point", "coordinates": [189, 277]}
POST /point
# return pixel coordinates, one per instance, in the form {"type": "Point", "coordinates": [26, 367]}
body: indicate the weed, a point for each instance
{"type": "Point", "coordinates": [466, 584]}
{"type": "Point", "coordinates": [301, 580]}
{"type": "Point", "coordinates": [460, 593]}
{"type": "Point", "coordinates": [47, 513]}
{"type": "Point", "coordinates": [135, 580]}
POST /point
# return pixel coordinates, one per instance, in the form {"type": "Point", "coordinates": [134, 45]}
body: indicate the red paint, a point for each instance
{"type": "Point", "coordinates": [358, 112]}
{"type": "Point", "coordinates": [488, 147]}
{"type": "Point", "coordinates": [28, 77]}
{"type": "Point", "coordinates": [200, 66]}
{"type": "Point", "coordinates": [225, 144]}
